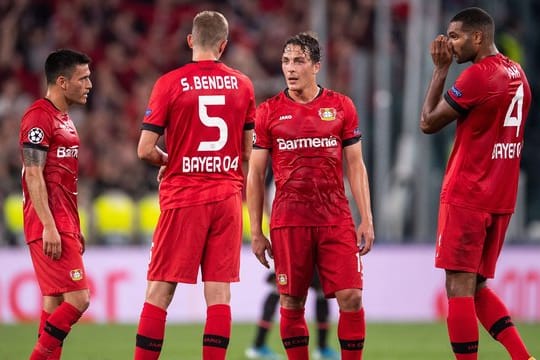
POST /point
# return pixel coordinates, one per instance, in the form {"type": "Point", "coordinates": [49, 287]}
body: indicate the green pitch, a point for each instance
{"type": "Point", "coordinates": [383, 342]}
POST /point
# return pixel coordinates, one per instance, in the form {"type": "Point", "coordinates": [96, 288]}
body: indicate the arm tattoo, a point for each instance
{"type": "Point", "coordinates": [34, 157]}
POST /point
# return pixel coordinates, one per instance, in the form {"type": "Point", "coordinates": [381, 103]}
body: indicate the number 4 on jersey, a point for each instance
{"type": "Point", "coordinates": [509, 119]}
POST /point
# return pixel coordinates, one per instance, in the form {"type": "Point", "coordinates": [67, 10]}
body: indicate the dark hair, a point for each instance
{"type": "Point", "coordinates": [476, 19]}
{"type": "Point", "coordinates": [62, 63]}
{"type": "Point", "coordinates": [308, 43]}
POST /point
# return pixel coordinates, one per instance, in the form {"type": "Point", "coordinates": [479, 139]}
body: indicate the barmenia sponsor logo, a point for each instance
{"type": "Point", "coordinates": [304, 143]}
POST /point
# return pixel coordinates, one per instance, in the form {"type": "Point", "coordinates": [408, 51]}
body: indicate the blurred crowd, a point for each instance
{"type": "Point", "coordinates": [131, 43]}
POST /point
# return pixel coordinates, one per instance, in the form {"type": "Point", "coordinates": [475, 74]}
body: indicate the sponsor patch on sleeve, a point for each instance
{"type": "Point", "coordinates": [456, 91]}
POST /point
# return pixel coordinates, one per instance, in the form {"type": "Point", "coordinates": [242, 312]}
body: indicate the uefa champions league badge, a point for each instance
{"type": "Point", "coordinates": [36, 135]}
{"type": "Point", "coordinates": [327, 114]}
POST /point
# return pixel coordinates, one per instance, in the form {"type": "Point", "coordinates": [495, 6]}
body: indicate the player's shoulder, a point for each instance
{"type": "Point", "coordinates": [274, 100]}
{"type": "Point", "coordinates": [42, 107]}
{"type": "Point", "coordinates": [329, 93]}
{"type": "Point", "coordinates": [488, 65]}
{"type": "Point", "coordinates": [173, 75]}
{"type": "Point", "coordinates": [512, 66]}
{"type": "Point", "coordinates": [336, 98]}
{"type": "Point", "coordinates": [237, 73]}
{"type": "Point", "coordinates": [481, 74]}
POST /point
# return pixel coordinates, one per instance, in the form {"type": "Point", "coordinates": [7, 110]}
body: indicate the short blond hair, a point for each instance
{"type": "Point", "coordinates": [209, 29]}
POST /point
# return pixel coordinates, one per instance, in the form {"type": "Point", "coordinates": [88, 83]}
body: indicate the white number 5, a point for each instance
{"type": "Point", "coordinates": [510, 120]}
{"type": "Point", "coordinates": [212, 121]}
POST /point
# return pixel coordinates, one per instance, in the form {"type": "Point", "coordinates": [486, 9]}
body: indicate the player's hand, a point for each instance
{"type": "Point", "coordinates": [365, 236]}
{"type": "Point", "coordinates": [161, 172]}
{"type": "Point", "coordinates": [52, 244]}
{"type": "Point", "coordinates": [260, 246]}
{"type": "Point", "coordinates": [83, 243]}
{"type": "Point", "coordinates": [441, 52]}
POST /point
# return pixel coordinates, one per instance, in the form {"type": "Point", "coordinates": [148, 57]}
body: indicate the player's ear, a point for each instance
{"type": "Point", "coordinates": [61, 81]}
{"type": "Point", "coordinates": [478, 37]}
{"type": "Point", "coordinates": [316, 68]}
{"type": "Point", "coordinates": [189, 40]}
{"type": "Point", "coordinates": [222, 45]}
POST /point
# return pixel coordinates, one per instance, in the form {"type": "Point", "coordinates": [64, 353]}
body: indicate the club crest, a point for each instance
{"type": "Point", "coordinates": [76, 274]}
{"type": "Point", "coordinates": [327, 114]}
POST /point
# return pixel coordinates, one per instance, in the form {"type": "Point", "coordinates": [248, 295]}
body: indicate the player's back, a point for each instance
{"type": "Point", "coordinates": [204, 108]}
{"type": "Point", "coordinates": [483, 169]}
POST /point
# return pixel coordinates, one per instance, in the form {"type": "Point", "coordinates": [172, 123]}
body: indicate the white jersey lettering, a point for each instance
{"type": "Point", "coordinates": [208, 82]}
{"type": "Point", "coordinates": [209, 164]}
{"type": "Point", "coordinates": [506, 151]}
{"type": "Point", "coordinates": [305, 143]}
{"type": "Point", "coordinates": [66, 152]}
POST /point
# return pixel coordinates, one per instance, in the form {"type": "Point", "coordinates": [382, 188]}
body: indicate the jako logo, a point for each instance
{"type": "Point", "coordinates": [304, 143]}
{"type": "Point", "coordinates": [285, 117]}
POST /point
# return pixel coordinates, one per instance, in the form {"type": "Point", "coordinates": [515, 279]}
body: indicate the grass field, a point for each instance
{"type": "Point", "coordinates": [384, 342]}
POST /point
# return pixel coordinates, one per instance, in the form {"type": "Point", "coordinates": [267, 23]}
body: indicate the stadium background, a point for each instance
{"type": "Point", "coordinates": [374, 51]}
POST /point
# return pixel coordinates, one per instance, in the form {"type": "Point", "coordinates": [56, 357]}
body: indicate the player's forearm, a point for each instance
{"type": "Point", "coordinates": [433, 97]}
{"type": "Point", "coordinates": [255, 201]}
{"type": "Point", "coordinates": [359, 184]}
{"type": "Point", "coordinates": [154, 156]}
{"type": "Point", "coordinates": [37, 191]}
{"type": "Point", "coordinates": [247, 146]}
{"type": "Point", "coordinates": [149, 151]}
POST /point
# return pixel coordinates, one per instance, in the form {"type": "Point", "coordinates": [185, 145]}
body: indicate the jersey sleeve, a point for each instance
{"type": "Point", "coordinates": [249, 124]}
{"type": "Point", "coordinates": [468, 90]}
{"type": "Point", "coordinates": [351, 129]}
{"type": "Point", "coordinates": [156, 114]}
{"type": "Point", "coordinates": [262, 138]}
{"type": "Point", "coordinates": [36, 132]}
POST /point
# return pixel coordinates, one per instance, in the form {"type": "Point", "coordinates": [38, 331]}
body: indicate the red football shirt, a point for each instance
{"type": "Point", "coordinates": [44, 127]}
{"type": "Point", "coordinates": [203, 108]}
{"type": "Point", "coordinates": [306, 143]}
{"type": "Point", "coordinates": [493, 98]}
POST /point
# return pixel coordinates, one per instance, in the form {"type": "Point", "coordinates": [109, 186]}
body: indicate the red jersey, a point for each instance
{"type": "Point", "coordinates": [45, 127]}
{"type": "Point", "coordinates": [493, 98]}
{"type": "Point", "coordinates": [203, 108]}
{"type": "Point", "coordinates": [306, 143]}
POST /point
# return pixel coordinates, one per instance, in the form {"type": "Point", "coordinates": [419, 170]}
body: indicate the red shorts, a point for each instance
{"type": "Point", "coordinates": [56, 277]}
{"type": "Point", "coordinates": [332, 249]}
{"type": "Point", "coordinates": [207, 235]}
{"type": "Point", "coordinates": [469, 240]}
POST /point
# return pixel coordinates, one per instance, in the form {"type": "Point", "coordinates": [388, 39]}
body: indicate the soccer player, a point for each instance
{"type": "Point", "coordinates": [307, 130]}
{"type": "Point", "coordinates": [490, 100]}
{"type": "Point", "coordinates": [259, 349]}
{"type": "Point", "coordinates": [50, 146]}
{"type": "Point", "coordinates": [206, 111]}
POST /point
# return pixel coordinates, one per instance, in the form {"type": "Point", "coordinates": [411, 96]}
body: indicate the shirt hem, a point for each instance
{"type": "Point", "coordinates": [476, 207]}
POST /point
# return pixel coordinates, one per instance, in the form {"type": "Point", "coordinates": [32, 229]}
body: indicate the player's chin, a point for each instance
{"type": "Point", "coordinates": [293, 86]}
{"type": "Point", "coordinates": [460, 59]}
